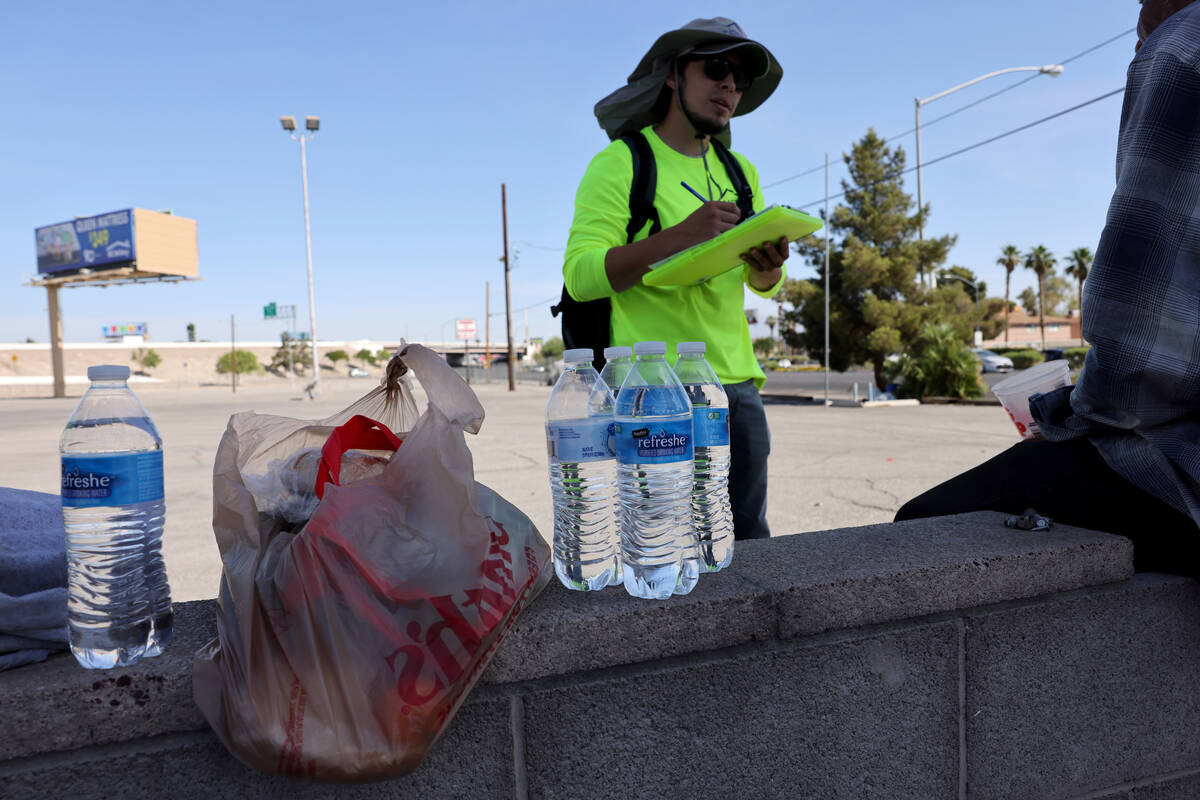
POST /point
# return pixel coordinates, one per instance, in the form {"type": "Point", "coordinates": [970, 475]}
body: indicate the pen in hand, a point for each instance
{"type": "Point", "coordinates": [699, 196]}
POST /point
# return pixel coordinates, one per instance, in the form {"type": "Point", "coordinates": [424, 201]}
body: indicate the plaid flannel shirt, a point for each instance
{"type": "Point", "coordinates": [1138, 398]}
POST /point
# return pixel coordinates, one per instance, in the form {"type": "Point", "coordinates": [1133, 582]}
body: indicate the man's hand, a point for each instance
{"type": "Point", "coordinates": [765, 263]}
{"type": "Point", "coordinates": [709, 220]}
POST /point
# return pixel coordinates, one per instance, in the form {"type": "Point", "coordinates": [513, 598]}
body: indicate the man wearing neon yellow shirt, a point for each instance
{"type": "Point", "coordinates": [680, 99]}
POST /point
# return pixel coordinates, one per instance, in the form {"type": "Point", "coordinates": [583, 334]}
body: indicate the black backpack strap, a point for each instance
{"type": "Point", "coordinates": [641, 190]}
{"type": "Point", "coordinates": [745, 194]}
{"type": "Point", "coordinates": [587, 324]}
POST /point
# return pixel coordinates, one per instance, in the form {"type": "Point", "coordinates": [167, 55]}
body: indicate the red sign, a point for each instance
{"type": "Point", "coordinates": [465, 328]}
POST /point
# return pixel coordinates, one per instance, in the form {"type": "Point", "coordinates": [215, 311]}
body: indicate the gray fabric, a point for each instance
{"type": "Point", "coordinates": [33, 577]}
{"type": "Point", "coordinates": [1138, 398]}
{"type": "Point", "coordinates": [631, 107]}
{"type": "Point", "coordinates": [749, 446]}
{"type": "Point", "coordinates": [33, 553]}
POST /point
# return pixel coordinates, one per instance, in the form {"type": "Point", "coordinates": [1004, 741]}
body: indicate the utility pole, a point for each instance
{"type": "Point", "coordinates": [507, 287]}
{"type": "Point", "coordinates": [487, 328]}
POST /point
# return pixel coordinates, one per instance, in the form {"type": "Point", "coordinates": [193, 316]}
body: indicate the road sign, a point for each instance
{"type": "Point", "coordinates": [465, 328]}
{"type": "Point", "coordinates": [269, 311]}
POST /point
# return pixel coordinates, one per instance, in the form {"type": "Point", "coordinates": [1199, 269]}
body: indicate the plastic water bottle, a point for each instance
{"type": "Point", "coordinates": [653, 432]}
{"type": "Point", "coordinates": [118, 601]}
{"type": "Point", "coordinates": [579, 426]}
{"type": "Point", "coordinates": [712, 518]}
{"type": "Point", "coordinates": [618, 360]}
{"type": "Point", "coordinates": [617, 363]}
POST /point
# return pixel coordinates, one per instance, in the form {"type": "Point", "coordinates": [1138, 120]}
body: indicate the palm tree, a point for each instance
{"type": "Point", "coordinates": [771, 329]}
{"type": "Point", "coordinates": [1041, 261]}
{"type": "Point", "coordinates": [1081, 261]}
{"type": "Point", "coordinates": [1010, 259]}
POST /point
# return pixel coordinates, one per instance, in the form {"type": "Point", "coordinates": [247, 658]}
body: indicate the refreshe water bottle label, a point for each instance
{"type": "Point", "coordinates": [711, 426]}
{"type": "Point", "coordinates": [112, 479]}
{"type": "Point", "coordinates": [657, 443]}
{"type": "Point", "coordinates": [582, 440]}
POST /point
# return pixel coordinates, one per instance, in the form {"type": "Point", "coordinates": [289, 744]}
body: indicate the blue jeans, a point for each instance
{"type": "Point", "coordinates": [749, 446]}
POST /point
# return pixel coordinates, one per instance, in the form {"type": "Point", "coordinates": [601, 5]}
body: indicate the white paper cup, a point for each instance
{"type": "Point", "coordinates": [1014, 392]}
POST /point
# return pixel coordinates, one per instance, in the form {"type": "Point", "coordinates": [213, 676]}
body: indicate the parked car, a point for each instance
{"type": "Point", "coordinates": [359, 372]}
{"type": "Point", "coordinates": [993, 362]}
{"type": "Point", "coordinates": [1054, 354]}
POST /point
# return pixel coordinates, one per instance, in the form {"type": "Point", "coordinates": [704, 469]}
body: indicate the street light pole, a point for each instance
{"type": "Point", "coordinates": [1053, 70]}
{"type": "Point", "coordinates": [310, 124]}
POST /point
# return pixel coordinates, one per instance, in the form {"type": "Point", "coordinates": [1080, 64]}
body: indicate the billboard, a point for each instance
{"type": "Point", "coordinates": [123, 329]}
{"type": "Point", "coordinates": [95, 242]}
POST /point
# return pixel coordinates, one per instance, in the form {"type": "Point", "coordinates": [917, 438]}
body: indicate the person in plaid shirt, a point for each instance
{"type": "Point", "coordinates": [1122, 447]}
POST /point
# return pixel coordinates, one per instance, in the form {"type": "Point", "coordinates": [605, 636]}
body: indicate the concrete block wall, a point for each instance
{"type": "Point", "coordinates": [945, 658]}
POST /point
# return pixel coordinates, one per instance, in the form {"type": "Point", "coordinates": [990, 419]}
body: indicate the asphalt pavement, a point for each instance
{"type": "Point", "coordinates": [830, 467]}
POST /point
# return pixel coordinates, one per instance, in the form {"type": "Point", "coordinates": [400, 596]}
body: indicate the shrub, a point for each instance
{"type": "Point", "coordinates": [1075, 355]}
{"type": "Point", "coordinates": [764, 345]}
{"type": "Point", "coordinates": [301, 355]}
{"type": "Point", "coordinates": [245, 361]}
{"type": "Point", "coordinates": [365, 356]}
{"type": "Point", "coordinates": [337, 355]}
{"type": "Point", "coordinates": [939, 364]}
{"type": "Point", "coordinates": [147, 359]}
{"type": "Point", "coordinates": [1024, 359]}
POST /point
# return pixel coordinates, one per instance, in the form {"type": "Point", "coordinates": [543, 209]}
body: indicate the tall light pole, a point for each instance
{"type": "Point", "coordinates": [1053, 70]}
{"type": "Point", "coordinates": [311, 124]}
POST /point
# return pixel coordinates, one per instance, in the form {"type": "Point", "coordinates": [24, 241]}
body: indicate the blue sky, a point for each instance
{"type": "Point", "coordinates": [426, 110]}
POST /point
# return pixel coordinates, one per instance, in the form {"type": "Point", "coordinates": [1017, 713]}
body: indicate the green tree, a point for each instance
{"type": "Point", "coordinates": [552, 348]}
{"type": "Point", "coordinates": [1010, 259]}
{"type": "Point", "coordinates": [365, 356]}
{"type": "Point", "coordinates": [939, 364]}
{"type": "Point", "coordinates": [1080, 262]}
{"type": "Point", "coordinates": [147, 359]}
{"type": "Point", "coordinates": [1029, 300]}
{"type": "Point", "coordinates": [960, 274]}
{"type": "Point", "coordinates": [875, 304]}
{"type": "Point", "coordinates": [244, 359]}
{"type": "Point", "coordinates": [337, 355]}
{"type": "Point", "coordinates": [383, 354]}
{"type": "Point", "coordinates": [1041, 261]}
{"type": "Point", "coordinates": [1059, 292]}
{"type": "Point", "coordinates": [301, 355]}
{"type": "Point", "coordinates": [764, 345]}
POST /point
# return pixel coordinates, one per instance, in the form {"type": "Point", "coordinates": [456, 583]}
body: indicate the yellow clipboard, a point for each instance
{"type": "Point", "coordinates": [721, 253]}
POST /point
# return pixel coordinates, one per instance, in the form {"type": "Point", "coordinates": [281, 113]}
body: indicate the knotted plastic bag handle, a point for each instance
{"type": "Point", "coordinates": [357, 433]}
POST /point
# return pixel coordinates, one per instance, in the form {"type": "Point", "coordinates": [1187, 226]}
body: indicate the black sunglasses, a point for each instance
{"type": "Point", "coordinates": [717, 68]}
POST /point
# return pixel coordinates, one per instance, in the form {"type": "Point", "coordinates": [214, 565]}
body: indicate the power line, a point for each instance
{"type": "Point", "coordinates": [968, 148]}
{"type": "Point", "coordinates": [972, 104]}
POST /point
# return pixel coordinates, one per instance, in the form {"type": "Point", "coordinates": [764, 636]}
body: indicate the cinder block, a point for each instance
{"type": "Point", "coordinates": [473, 759]}
{"type": "Point", "coordinates": [872, 717]}
{"type": "Point", "coordinates": [564, 631]}
{"type": "Point", "coordinates": [1085, 691]}
{"type": "Point", "coordinates": [860, 576]}
{"type": "Point", "coordinates": [59, 705]}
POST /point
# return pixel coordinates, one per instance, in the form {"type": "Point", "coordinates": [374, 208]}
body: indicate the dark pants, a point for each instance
{"type": "Point", "coordinates": [749, 446]}
{"type": "Point", "coordinates": [1071, 483]}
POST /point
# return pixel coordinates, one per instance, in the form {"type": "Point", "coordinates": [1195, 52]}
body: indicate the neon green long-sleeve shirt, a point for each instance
{"type": "Point", "coordinates": [710, 312]}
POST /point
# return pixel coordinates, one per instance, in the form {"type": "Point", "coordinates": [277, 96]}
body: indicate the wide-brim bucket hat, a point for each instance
{"type": "Point", "coordinates": [640, 101]}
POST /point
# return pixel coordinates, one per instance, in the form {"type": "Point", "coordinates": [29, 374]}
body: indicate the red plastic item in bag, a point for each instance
{"type": "Point", "coordinates": [343, 650]}
{"type": "Point", "coordinates": [357, 433]}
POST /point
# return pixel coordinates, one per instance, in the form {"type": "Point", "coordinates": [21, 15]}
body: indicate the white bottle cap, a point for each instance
{"type": "Point", "coordinates": [619, 351]}
{"type": "Point", "coordinates": [108, 372]}
{"type": "Point", "coordinates": [690, 347]}
{"type": "Point", "coordinates": [650, 349]}
{"type": "Point", "coordinates": [578, 354]}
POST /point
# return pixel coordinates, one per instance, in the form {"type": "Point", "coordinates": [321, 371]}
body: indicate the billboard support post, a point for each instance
{"type": "Point", "coordinates": [56, 351]}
